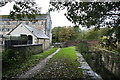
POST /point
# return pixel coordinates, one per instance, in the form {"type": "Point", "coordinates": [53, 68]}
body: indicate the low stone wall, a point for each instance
{"type": "Point", "coordinates": [27, 50]}
{"type": "Point", "coordinates": [110, 60]}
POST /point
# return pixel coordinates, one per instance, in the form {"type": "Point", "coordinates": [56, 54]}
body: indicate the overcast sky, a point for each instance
{"type": "Point", "coordinates": [58, 18]}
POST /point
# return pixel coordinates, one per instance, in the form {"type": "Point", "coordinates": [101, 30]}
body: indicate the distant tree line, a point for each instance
{"type": "Point", "coordinates": [62, 34]}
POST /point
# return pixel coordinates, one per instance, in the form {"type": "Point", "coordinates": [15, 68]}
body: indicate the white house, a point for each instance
{"type": "Point", "coordinates": [35, 36]}
{"type": "Point", "coordinates": [42, 22]}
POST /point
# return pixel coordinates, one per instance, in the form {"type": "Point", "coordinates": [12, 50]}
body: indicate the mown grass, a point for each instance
{"type": "Point", "coordinates": [62, 65]}
{"type": "Point", "coordinates": [31, 61]}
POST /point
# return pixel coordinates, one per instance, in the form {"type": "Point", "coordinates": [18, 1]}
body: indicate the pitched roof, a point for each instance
{"type": "Point", "coordinates": [36, 32]}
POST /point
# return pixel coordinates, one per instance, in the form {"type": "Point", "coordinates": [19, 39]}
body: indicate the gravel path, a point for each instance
{"type": "Point", "coordinates": [30, 73]}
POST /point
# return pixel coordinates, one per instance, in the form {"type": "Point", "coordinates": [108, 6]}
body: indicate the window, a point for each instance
{"type": "Point", "coordinates": [3, 29]}
{"type": "Point", "coordinates": [1, 23]}
{"type": "Point", "coordinates": [27, 23]}
{"type": "Point", "coordinates": [42, 23]}
{"type": "Point", "coordinates": [7, 29]}
{"type": "Point", "coordinates": [33, 22]}
{"type": "Point", "coordinates": [1, 36]}
{"type": "Point", "coordinates": [8, 23]}
{"type": "Point", "coordinates": [14, 23]}
{"type": "Point", "coordinates": [0, 29]}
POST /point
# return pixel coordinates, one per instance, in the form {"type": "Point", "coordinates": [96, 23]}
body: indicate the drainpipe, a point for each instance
{"type": "Point", "coordinates": [45, 27]}
{"type": "Point", "coordinates": [44, 44]}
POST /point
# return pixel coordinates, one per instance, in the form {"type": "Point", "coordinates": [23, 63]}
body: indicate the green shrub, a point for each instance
{"type": "Point", "coordinates": [118, 48]}
{"type": "Point", "coordinates": [10, 57]}
{"type": "Point", "coordinates": [82, 47]}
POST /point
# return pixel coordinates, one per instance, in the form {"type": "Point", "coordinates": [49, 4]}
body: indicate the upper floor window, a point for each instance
{"type": "Point", "coordinates": [27, 23]}
{"type": "Point", "coordinates": [33, 22]}
{"type": "Point", "coordinates": [7, 29]}
{"type": "Point", "coordinates": [1, 22]}
{"type": "Point", "coordinates": [1, 36]}
{"type": "Point", "coordinates": [8, 23]}
{"type": "Point", "coordinates": [4, 29]}
{"type": "Point", "coordinates": [14, 23]}
{"type": "Point", "coordinates": [42, 23]}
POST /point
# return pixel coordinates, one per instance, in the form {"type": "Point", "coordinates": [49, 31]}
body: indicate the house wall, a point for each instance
{"type": "Point", "coordinates": [7, 26]}
{"type": "Point", "coordinates": [45, 42]}
{"type": "Point", "coordinates": [44, 24]}
{"type": "Point", "coordinates": [49, 28]}
{"type": "Point", "coordinates": [23, 30]}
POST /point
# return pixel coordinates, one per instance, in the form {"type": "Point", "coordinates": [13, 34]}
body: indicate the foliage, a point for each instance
{"type": "Point", "coordinates": [62, 34]}
{"type": "Point", "coordinates": [79, 36]}
{"type": "Point", "coordinates": [103, 32]}
{"type": "Point", "coordinates": [82, 47]}
{"type": "Point", "coordinates": [10, 57]}
{"type": "Point", "coordinates": [111, 40]}
{"type": "Point", "coordinates": [110, 43]}
{"type": "Point", "coordinates": [62, 65]}
{"type": "Point", "coordinates": [92, 35]}
{"type": "Point", "coordinates": [66, 34]}
{"type": "Point", "coordinates": [87, 14]}
{"type": "Point", "coordinates": [55, 34]}
{"type": "Point", "coordinates": [90, 14]}
{"type": "Point", "coordinates": [13, 70]}
{"type": "Point", "coordinates": [22, 9]}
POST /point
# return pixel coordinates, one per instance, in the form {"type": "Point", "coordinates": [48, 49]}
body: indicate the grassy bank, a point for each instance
{"type": "Point", "coordinates": [62, 65]}
{"type": "Point", "coordinates": [19, 68]}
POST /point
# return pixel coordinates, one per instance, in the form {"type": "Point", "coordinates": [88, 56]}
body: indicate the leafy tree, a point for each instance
{"type": "Point", "coordinates": [90, 14]}
{"type": "Point", "coordinates": [55, 34]}
{"type": "Point", "coordinates": [79, 34]}
{"type": "Point", "coordinates": [67, 34]}
{"type": "Point", "coordinates": [103, 32]}
{"type": "Point", "coordinates": [92, 35]}
{"type": "Point", "coordinates": [22, 9]}
{"type": "Point", "coordinates": [62, 34]}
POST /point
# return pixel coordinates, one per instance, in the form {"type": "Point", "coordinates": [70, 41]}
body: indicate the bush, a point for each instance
{"type": "Point", "coordinates": [118, 48]}
{"type": "Point", "coordinates": [10, 57]}
{"type": "Point", "coordinates": [82, 47]}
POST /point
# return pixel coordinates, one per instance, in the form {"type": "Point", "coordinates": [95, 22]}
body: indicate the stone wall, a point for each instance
{"type": "Point", "coordinates": [45, 42]}
{"type": "Point", "coordinates": [110, 60]}
{"type": "Point", "coordinates": [27, 50]}
{"type": "Point", "coordinates": [74, 43]}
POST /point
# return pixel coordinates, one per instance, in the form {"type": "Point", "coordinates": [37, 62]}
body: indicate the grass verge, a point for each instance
{"type": "Point", "coordinates": [31, 61]}
{"type": "Point", "coordinates": [62, 65]}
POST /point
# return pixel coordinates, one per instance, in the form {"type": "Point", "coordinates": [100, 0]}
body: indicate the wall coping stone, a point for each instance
{"type": "Point", "coordinates": [114, 53]}
{"type": "Point", "coordinates": [26, 45]}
